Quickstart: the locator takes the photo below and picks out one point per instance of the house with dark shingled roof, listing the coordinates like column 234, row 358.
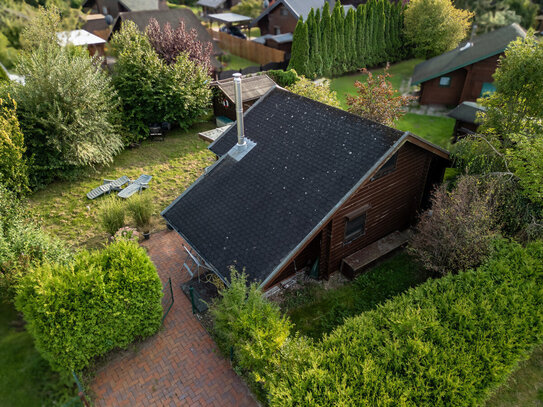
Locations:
column 307, row 186
column 465, row 73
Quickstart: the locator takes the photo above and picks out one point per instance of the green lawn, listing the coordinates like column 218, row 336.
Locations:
column 26, row 379
column 525, row 387
column 436, row 129
column 64, row 210
column 237, row 63
column 316, row 311
column 344, row 85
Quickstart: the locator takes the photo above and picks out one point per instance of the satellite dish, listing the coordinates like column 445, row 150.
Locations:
column 109, row 19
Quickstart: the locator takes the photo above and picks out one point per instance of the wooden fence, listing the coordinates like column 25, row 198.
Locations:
column 250, row 50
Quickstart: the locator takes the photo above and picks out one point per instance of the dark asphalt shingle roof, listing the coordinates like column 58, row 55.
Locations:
column 254, row 212
column 484, row 46
column 172, row 16
column 466, row 112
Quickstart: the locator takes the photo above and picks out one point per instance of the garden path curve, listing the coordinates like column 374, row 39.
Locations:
column 179, row 366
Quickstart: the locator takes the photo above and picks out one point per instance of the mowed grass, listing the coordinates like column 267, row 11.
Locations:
column 316, row 311
column 63, row 209
column 237, row 63
column 524, row 388
column 26, row 379
column 436, row 129
column 344, row 85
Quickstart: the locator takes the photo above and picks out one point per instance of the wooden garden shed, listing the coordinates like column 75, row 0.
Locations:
column 465, row 73
column 304, row 184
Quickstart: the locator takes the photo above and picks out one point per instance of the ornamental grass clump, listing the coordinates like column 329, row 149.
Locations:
column 112, row 214
column 101, row 301
column 141, row 209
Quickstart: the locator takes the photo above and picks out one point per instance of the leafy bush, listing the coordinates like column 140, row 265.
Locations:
column 102, row 300
column 67, row 109
column 284, row 78
column 435, row 26
column 317, row 91
column 152, row 91
column 448, row 342
column 112, row 214
column 141, row 208
column 23, row 245
column 13, row 163
column 457, row 232
column 250, row 324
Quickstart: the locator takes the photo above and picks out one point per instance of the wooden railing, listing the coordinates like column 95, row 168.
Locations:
column 250, row 50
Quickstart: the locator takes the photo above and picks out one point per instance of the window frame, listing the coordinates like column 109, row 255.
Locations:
column 355, row 216
column 387, row 168
column 283, row 12
column 448, row 85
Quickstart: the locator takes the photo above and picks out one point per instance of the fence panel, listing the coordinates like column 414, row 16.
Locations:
column 248, row 49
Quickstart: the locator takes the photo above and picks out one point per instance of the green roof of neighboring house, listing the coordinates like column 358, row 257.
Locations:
column 483, row 46
column 466, row 112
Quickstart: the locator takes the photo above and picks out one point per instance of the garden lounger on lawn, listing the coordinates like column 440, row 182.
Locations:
column 108, row 186
column 135, row 186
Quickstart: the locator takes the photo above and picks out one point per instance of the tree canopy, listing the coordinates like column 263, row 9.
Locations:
column 435, row 26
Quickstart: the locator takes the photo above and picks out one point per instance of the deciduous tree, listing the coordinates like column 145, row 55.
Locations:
column 377, row 99
column 317, row 91
column 435, row 26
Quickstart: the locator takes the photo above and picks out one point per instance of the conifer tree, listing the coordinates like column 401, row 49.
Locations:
column 369, row 33
column 338, row 44
column 380, row 31
column 300, row 49
column 317, row 51
column 326, row 33
column 361, row 36
column 350, row 40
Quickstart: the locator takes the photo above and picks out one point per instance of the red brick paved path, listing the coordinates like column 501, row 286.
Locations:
column 181, row 365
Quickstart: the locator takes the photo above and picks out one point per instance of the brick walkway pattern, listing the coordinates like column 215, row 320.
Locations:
column 179, row 366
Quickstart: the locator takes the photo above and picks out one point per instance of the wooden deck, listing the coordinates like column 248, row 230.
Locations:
column 356, row 262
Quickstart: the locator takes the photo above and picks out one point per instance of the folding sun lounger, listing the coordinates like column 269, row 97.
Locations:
column 135, row 186
column 108, row 186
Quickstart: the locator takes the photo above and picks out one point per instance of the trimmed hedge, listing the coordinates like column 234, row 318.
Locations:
column 103, row 300
column 448, row 342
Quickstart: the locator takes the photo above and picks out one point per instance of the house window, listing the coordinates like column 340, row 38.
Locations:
column 276, row 30
column 355, row 226
column 487, row 89
column 387, row 167
column 284, row 11
column 445, row 81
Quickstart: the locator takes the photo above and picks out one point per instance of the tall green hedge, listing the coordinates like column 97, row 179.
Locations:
column 449, row 342
column 332, row 42
column 103, row 300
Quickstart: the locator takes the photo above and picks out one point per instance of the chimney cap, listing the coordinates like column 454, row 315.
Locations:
column 237, row 75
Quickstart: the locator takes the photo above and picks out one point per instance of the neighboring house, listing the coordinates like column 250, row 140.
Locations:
column 224, row 101
column 82, row 38
column 216, row 6
column 114, row 7
column 307, row 182
column 465, row 115
column 464, row 73
column 281, row 17
column 11, row 76
column 172, row 16
column 97, row 24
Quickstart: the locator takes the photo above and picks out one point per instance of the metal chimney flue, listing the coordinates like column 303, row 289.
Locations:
column 239, row 109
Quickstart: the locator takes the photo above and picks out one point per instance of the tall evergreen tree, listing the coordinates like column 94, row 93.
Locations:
column 314, row 67
column 361, row 36
column 350, row 40
column 326, row 33
column 389, row 30
column 338, row 23
column 369, row 33
column 380, row 31
column 300, row 49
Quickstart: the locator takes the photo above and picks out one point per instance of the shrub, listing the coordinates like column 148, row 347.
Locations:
column 317, row 91
column 457, row 232
column 102, row 300
column 435, row 26
column 141, row 208
column 111, row 214
column 448, row 342
column 23, row 245
column 152, row 91
column 284, row 78
column 13, row 163
column 249, row 324
column 67, row 108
